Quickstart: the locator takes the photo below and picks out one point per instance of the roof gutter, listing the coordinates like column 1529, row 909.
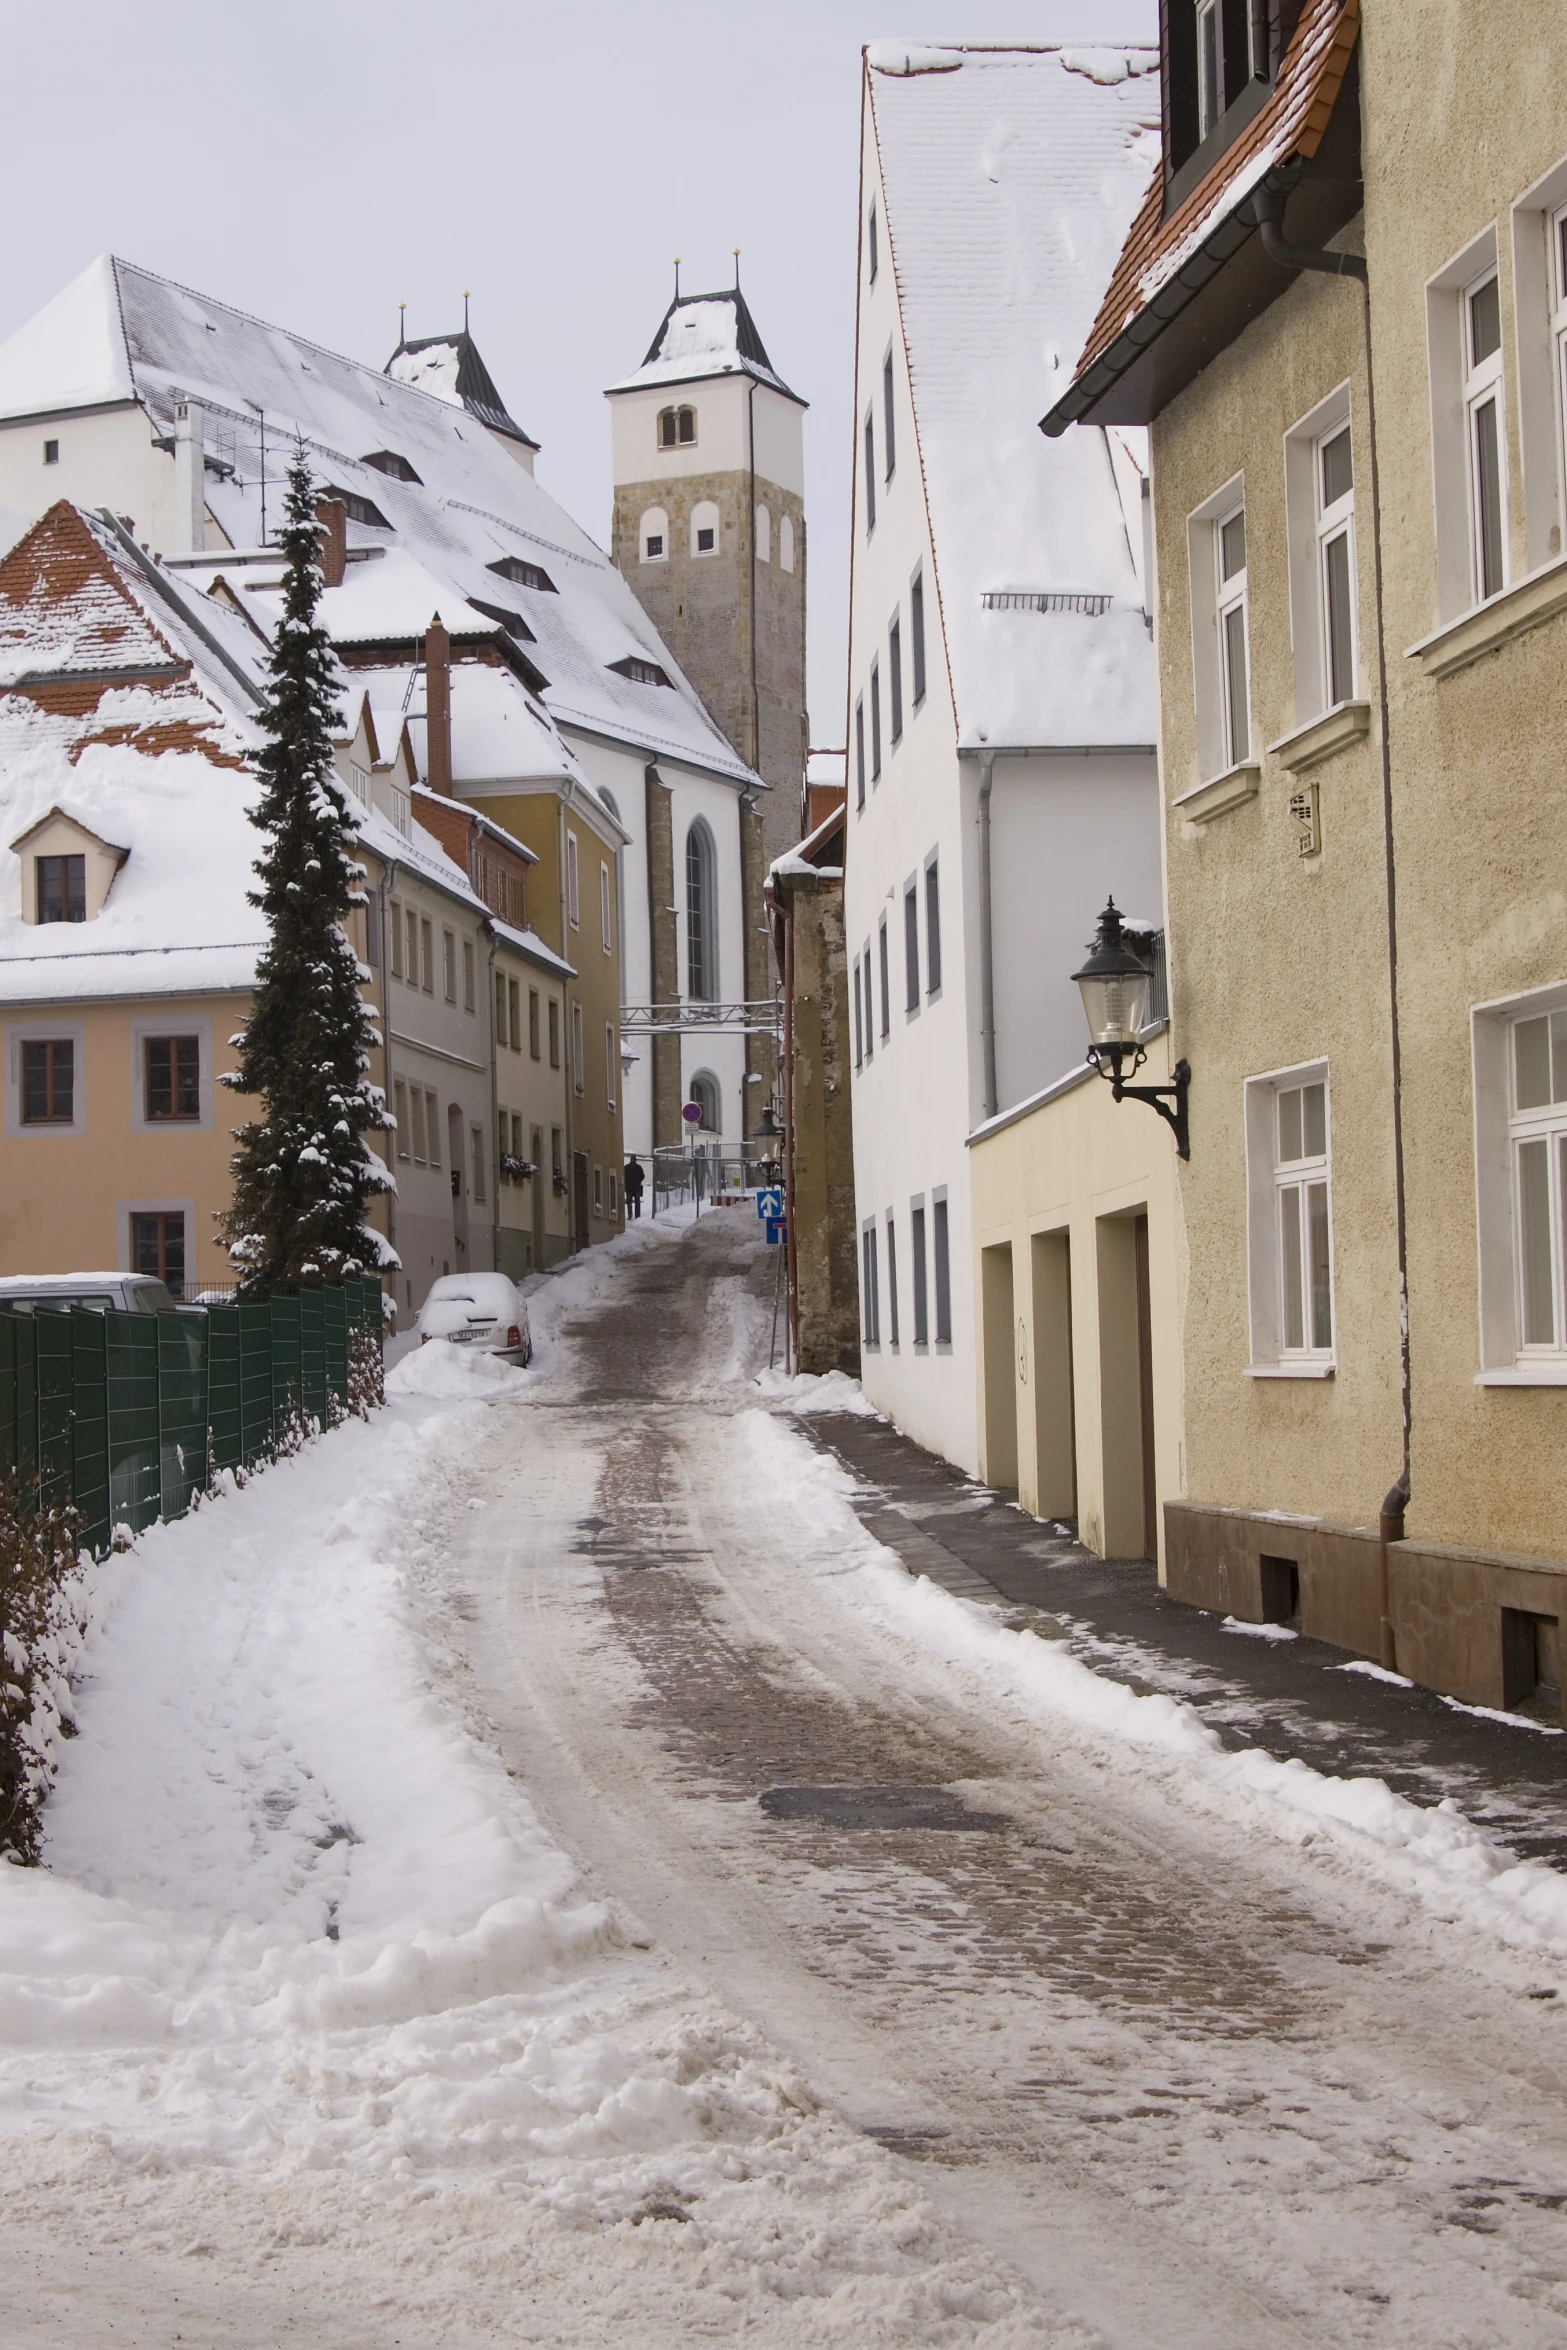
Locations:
column 1268, row 204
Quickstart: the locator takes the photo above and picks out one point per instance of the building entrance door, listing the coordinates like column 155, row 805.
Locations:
column 1145, row 1389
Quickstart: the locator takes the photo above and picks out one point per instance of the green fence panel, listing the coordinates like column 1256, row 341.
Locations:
column 53, row 1343
column 224, row 1407
column 26, row 1400
column 135, row 1473
column 90, row 1427
column 286, row 1394
column 182, row 1409
column 9, row 1325
column 312, row 1355
column 255, row 1382
column 334, row 1316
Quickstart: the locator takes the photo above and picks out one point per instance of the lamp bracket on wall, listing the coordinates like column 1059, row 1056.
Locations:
column 1111, row 1061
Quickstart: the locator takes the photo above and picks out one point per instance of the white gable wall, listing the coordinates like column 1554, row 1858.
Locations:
column 107, row 457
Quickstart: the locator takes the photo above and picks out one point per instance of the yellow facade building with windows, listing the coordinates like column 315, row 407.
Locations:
column 1342, row 312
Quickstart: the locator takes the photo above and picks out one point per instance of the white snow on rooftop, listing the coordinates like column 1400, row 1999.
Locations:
column 119, row 331
column 1008, row 184
column 701, row 337
column 432, row 370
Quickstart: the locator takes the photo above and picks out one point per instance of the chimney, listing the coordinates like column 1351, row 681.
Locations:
column 189, row 535
column 332, row 550
column 438, row 708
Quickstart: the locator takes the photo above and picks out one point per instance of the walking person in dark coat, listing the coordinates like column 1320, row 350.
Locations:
column 633, row 1183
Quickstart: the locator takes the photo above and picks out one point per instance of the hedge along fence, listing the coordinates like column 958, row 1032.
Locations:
column 125, row 1417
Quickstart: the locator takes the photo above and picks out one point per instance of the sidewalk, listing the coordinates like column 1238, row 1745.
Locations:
column 1256, row 1686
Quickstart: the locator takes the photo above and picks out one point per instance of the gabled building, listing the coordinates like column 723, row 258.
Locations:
column 1001, row 772
column 1341, row 312
column 175, row 410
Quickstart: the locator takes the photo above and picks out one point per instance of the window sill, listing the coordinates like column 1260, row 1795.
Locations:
column 1309, row 745
column 1524, row 1375
column 1536, row 598
column 1291, row 1370
column 1223, row 793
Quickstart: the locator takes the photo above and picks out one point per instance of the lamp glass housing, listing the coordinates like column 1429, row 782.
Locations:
column 1114, row 984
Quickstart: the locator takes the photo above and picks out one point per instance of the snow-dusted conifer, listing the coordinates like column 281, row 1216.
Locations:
column 302, row 1173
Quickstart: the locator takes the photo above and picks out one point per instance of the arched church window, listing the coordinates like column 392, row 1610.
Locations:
column 764, row 535
column 785, row 543
column 701, row 915
column 653, row 535
column 677, row 428
column 704, row 1092
column 704, row 528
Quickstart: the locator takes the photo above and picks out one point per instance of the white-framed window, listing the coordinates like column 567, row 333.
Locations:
column 1229, row 550
column 400, row 1113
column 677, row 428
column 1556, row 239
column 604, row 929
column 571, row 880
column 1319, row 483
column 577, row 1075
column 1221, row 666
column 1540, row 307
column 1520, row 1093
column 1289, row 1184
column 609, row 1062
column 870, row 1287
column 653, row 536
column 764, row 534
column 704, row 527
column 1480, row 316
column 402, row 812
column 785, row 543
column 1334, row 483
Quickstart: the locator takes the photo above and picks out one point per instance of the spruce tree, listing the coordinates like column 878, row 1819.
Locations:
column 302, row 1173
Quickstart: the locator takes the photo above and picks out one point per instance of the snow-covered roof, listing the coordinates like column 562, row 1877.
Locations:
column 116, row 712
column 702, row 335
column 1009, row 177
column 451, row 368
column 120, row 331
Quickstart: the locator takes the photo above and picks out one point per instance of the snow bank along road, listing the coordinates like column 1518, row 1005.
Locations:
column 532, row 1870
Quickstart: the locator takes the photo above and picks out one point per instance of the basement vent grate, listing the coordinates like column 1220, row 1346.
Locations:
column 1044, row 600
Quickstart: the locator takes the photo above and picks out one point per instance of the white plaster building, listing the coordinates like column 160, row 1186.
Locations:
column 1001, row 717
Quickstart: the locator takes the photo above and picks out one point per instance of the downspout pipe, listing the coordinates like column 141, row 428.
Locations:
column 1268, row 205
column 987, row 960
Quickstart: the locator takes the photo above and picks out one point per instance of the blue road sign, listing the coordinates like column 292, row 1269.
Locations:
column 775, row 1230
column 769, row 1205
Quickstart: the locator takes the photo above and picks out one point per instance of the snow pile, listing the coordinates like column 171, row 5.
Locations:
column 806, row 1392
column 1434, row 1852
column 901, row 58
column 303, row 1959
column 439, row 1370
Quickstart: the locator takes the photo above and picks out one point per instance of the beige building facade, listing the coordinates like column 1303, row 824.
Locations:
column 1348, row 289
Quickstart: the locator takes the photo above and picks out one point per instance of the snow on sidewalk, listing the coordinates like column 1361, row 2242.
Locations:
column 297, row 1923
column 1433, row 1852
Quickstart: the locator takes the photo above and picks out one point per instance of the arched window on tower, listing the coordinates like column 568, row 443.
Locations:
column 653, row 536
column 764, row 535
column 703, row 1090
column 785, row 543
column 701, row 915
column 677, row 428
column 704, row 528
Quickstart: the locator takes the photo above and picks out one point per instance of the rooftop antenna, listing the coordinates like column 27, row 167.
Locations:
column 736, row 251
column 402, row 324
column 677, row 277
column 262, row 414
column 465, row 310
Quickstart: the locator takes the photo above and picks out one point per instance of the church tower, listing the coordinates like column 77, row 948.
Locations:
column 709, row 531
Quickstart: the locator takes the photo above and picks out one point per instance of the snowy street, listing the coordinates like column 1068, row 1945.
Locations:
column 533, row 1869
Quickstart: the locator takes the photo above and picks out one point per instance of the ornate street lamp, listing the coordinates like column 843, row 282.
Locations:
column 1114, row 983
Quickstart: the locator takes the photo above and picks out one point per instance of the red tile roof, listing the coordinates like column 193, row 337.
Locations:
column 1287, row 127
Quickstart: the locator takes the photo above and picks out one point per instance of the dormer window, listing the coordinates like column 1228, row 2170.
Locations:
column 359, row 509
column 1220, row 57
column 524, row 574
column 677, row 428
column 396, row 468
column 62, row 888
column 640, row 672
column 67, row 871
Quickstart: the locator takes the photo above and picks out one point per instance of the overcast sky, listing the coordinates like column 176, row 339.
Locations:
column 318, row 161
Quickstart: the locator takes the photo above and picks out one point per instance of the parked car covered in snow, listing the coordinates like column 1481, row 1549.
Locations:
column 478, row 1310
column 120, row 1293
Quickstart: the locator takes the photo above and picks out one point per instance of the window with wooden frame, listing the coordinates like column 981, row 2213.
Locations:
column 158, row 1248
column 1229, row 551
column 604, row 927
column 49, row 1081
column 449, row 965
column 468, row 980
column 870, row 472
column 514, row 1015
column 62, row 888
column 554, row 1032
column 571, row 880
column 578, row 1073
column 500, row 1008
column 432, row 1109
column 427, row 956
column 1538, row 1135
column 171, row 1067
column 534, row 1048
column 400, row 1113
column 394, row 925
